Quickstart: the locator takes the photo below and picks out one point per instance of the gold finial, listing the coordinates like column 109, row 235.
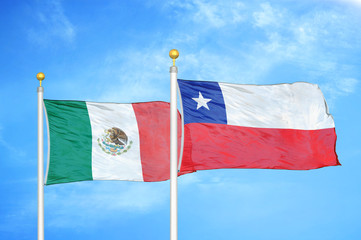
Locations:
column 40, row 76
column 173, row 54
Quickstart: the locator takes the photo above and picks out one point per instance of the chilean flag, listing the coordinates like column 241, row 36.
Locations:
column 283, row 126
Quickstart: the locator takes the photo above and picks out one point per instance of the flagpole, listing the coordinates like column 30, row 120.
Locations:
column 40, row 76
column 173, row 148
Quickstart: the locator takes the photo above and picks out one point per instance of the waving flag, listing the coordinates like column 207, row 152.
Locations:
column 284, row 126
column 108, row 141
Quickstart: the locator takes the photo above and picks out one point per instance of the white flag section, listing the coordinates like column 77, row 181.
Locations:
column 126, row 166
column 294, row 106
column 108, row 141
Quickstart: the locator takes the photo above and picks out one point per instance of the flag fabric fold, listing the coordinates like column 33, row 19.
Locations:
column 283, row 126
column 108, row 141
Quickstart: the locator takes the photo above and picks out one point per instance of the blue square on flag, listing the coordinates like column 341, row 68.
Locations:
column 202, row 102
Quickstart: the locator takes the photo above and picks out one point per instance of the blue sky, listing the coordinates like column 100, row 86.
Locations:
column 117, row 51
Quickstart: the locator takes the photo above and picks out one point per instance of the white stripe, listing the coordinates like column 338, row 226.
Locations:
column 127, row 166
column 288, row 106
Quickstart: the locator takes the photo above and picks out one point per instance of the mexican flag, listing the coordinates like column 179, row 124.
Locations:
column 108, row 141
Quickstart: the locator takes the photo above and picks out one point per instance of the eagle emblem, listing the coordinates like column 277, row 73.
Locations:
column 114, row 141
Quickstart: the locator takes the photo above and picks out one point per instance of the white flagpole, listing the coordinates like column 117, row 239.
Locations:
column 173, row 148
column 40, row 76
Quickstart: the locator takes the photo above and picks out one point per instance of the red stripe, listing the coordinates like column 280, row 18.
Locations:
column 214, row 146
column 153, row 120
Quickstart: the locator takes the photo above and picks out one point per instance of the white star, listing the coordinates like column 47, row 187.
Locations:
column 202, row 102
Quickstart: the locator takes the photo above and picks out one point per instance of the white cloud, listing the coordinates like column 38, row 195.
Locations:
column 311, row 42
column 52, row 24
column 348, row 85
column 353, row 2
column 338, row 87
column 215, row 14
column 268, row 16
column 218, row 15
column 305, row 41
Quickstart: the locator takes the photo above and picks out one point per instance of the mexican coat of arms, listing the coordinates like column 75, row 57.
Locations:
column 114, row 141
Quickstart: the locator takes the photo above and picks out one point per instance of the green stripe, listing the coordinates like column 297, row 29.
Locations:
column 70, row 142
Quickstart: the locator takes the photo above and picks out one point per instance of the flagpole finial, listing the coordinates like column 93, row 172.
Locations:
column 40, row 76
column 173, row 54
